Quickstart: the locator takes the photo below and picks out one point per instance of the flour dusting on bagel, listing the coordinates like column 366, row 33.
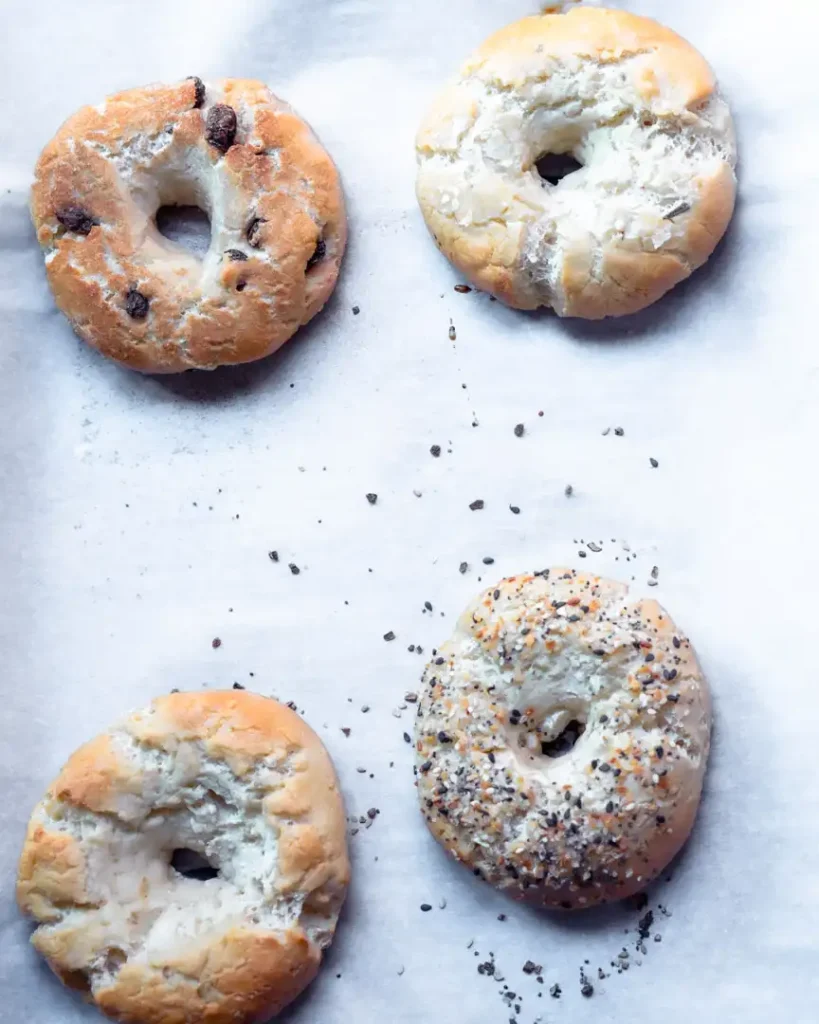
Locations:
column 240, row 780
column 561, row 739
column 628, row 99
column 238, row 152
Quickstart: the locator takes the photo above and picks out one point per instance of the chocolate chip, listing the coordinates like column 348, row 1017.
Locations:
column 136, row 304
column 236, row 255
column 198, row 91
column 252, row 233
column 220, row 127
column 318, row 253
column 76, row 219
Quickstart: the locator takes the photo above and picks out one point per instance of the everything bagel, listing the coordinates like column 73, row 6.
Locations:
column 561, row 739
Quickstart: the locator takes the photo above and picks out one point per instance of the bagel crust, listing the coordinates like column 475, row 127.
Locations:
column 239, row 779
column 636, row 106
column 231, row 147
column 534, row 659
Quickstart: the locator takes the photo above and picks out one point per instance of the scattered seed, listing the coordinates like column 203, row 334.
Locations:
column 407, row 738
column 452, row 334
column 520, row 429
column 462, row 288
column 676, row 211
column 294, row 568
column 356, row 310
column 488, row 560
column 216, row 642
column 372, row 498
column 515, row 509
column 654, row 463
column 477, row 504
column 463, row 567
column 426, row 907
column 389, row 636
column 569, row 490
column 619, row 431
column 273, row 556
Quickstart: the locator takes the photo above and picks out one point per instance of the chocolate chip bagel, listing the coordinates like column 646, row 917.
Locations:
column 235, row 150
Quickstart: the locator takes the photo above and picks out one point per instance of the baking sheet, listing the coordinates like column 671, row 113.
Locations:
column 136, row 514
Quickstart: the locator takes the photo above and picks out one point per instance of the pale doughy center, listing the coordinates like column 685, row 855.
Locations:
column 155, row 170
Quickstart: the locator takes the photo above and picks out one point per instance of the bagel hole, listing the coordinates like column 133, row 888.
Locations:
column 554, row 167
column 77, row 981
column 114, row 959
column 187, row 226
column 318, row 255
column 191, row 864
column 564, row 741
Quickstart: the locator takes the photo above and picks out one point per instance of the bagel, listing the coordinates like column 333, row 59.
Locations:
column 561, row 739
column 629, row 100
column 232, row 776
column 243, row 156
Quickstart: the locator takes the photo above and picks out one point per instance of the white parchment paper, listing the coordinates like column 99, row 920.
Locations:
column 136, row 514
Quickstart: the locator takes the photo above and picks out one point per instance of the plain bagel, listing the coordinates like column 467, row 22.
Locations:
column 239, row 153
column 561, row 739
column 232, row 776
column 636, row 106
